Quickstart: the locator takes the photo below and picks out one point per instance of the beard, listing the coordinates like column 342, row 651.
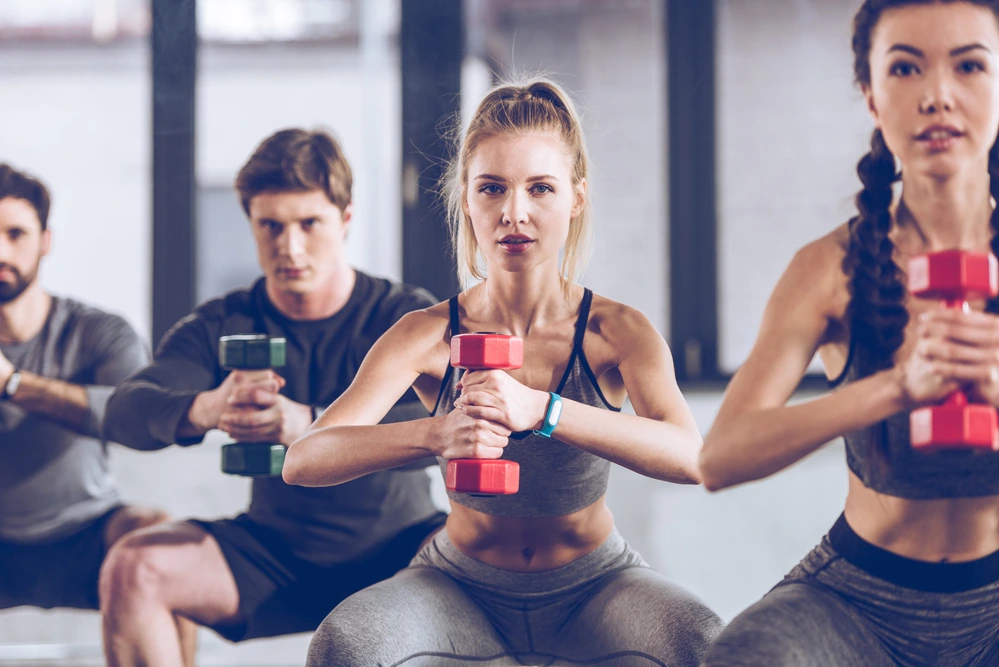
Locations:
column 11, row 290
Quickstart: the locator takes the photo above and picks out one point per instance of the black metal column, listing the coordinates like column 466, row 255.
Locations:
column 693, row 212
column 432, row 46
column 174, row 54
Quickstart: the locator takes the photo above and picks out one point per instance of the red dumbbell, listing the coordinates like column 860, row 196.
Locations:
column 485, row 351
column 954, row 276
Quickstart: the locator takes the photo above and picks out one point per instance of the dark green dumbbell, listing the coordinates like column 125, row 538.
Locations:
column 245, row 353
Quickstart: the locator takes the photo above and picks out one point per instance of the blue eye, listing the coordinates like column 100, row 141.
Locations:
column 491, row 189
column 541, row 188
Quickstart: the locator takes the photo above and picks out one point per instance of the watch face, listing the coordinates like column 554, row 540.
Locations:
column 556, row 412
column 12, row 384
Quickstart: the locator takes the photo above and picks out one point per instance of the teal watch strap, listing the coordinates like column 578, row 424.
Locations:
column 552, row 415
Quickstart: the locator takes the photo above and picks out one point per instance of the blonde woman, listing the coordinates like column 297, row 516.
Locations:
column 542, row 575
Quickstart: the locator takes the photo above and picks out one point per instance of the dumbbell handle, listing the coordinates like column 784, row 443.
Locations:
column 953, row 277
column 484, row 351
column 958, row 399
column 252, row 353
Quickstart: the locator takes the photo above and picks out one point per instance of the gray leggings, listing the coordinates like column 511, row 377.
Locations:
column 852, row 604
column 446, row 609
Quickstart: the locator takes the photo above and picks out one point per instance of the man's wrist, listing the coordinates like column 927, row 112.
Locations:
column 7, row 369
column 309, row 416
column 9, row 384
column 200, row 414
column 293, row 429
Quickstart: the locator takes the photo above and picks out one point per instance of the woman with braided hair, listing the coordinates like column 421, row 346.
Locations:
column 909, row 574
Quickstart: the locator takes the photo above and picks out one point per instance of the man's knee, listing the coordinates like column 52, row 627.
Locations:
column 134, row 569
column 129, row 519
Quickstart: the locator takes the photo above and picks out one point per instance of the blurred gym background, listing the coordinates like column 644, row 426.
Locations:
column 723, row 135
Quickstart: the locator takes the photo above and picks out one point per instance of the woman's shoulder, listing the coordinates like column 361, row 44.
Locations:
column 603, row 307
column 817, row 274
column 618, row 323
column 826, row 253
column 820, row 263
column 428, row 323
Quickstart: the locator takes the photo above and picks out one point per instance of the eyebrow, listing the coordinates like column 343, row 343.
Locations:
column 954, row 52
column 500, row 179
column 272, row 221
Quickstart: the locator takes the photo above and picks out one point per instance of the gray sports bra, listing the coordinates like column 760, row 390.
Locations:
column 556, row 479
column 881, row 456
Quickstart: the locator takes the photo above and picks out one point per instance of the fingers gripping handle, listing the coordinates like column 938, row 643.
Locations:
column 485, row 351
column 252, row 352
column 954, row 276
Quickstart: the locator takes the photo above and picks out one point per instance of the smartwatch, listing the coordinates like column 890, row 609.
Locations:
column 13, row 382
column 552, row 415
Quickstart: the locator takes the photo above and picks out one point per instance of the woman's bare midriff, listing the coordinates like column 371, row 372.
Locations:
column 529, row 544
column 946, row 530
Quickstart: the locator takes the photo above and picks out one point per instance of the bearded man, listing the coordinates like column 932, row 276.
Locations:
column 60, row 510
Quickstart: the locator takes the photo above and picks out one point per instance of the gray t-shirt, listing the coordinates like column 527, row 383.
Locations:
column 54, row 479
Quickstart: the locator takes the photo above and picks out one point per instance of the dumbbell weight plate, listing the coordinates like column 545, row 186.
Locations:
column 251, row 352
column 253, row 459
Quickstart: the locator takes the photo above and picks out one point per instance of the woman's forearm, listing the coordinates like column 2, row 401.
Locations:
column 332, row 455
column 753, row 444
column 650, row 447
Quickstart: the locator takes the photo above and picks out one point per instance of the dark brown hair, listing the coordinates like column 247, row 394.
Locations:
column 296, row 160
column 877, row 312
column 17, row 184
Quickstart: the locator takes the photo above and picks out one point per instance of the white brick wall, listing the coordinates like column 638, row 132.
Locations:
column 610, row 57
column 791, row 128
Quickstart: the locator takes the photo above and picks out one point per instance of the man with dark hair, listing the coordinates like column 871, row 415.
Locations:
column 297, row 552
column 60, row 511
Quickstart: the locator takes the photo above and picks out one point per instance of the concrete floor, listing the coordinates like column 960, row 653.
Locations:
column 729, row 548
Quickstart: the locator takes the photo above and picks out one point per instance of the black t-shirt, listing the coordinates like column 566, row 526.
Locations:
column 324, row 525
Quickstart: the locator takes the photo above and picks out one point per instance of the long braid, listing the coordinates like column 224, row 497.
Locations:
column 877, row 310
column 993, row 305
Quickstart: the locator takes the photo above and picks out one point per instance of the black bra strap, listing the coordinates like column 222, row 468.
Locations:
column 453, row 308
column 584, row 316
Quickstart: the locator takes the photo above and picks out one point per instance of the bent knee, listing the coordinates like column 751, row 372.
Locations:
column 129, row 519
column 671, row 619
column 132, row 569
column 341, row 639
column 790, row 627
column 687, row 631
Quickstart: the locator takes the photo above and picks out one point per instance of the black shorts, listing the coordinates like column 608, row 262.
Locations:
column 60, row 573
column 280, row 593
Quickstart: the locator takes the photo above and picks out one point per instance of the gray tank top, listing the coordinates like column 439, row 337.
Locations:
column 881, row 456
column 556, row 479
